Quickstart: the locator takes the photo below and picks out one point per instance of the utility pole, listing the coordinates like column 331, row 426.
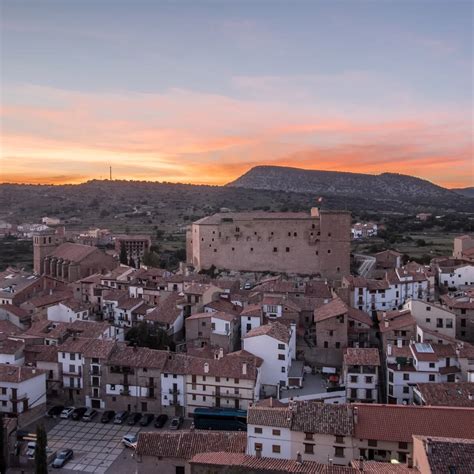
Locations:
column 111, row 173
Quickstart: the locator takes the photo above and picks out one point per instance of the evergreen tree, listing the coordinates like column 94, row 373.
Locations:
column 151, row 259
column 123, row 255
column 41, row 461
column 3, row 461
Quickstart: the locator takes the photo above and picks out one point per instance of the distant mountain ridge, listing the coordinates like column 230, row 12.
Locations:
column 385, row 186
column 467, row 192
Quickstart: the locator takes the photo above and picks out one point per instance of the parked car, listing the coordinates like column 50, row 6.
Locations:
column 134, row 418
column 120, row 417
column 161, row 421
column 147, row 419
column 31, row 449
column 62, row 457
column 248, row 286
column 176, row 423
column 67, row 413
column 107, row 416
column 130, row 440
column 78, row 413
column 55, row 411
column 89, row 414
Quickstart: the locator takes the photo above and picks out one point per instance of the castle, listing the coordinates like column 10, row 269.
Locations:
column 315, row 243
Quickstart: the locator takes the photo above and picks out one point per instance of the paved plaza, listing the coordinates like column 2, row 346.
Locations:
column 96, row 446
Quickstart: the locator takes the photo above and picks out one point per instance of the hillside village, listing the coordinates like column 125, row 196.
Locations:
column 264, row 320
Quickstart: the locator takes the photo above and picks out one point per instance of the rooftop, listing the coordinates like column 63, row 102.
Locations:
column 455, row 394
column 186, row 444
column 18, row 374
column 275, row 330
column 361, row 356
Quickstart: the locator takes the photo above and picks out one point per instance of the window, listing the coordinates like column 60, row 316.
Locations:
column 368, row 379
column 354, row 378
column 218, row 379
column 276, row 448
column 4, row 390
column 338, row 452
column 432, row 378
column 276, row 432
column 406, row 389
column 340, row 439
column 283, row 370
column 287, row 249
column 236, row 380
column 432, row 365
column 329, row 250
column 308, row 448
column 309, row 436
column 372, row 443
column 72, row 369
column 439, row 323
column 281, row 347
column 428, row 320
column 368, row 394
column 406, row 376
column 449, row 323
column 338, row 345
column 281, row 356
column 275, row 249
column 179, row 470
column 72, row 356
column 258, row 446
column 463, row 323
column 258, row 430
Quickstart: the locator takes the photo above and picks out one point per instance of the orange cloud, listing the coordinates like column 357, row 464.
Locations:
column 201, row 138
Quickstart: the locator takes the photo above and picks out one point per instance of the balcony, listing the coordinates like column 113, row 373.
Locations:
column 173, row 391
column 18, row 398
column 72, row 374
column 228, row 395
column 125, row 392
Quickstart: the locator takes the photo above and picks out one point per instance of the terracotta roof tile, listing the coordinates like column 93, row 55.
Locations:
column 73, row 252
column 335, row 307
column 455, row 394
column 17, row 374
column 275, row 330
column 399, row 422
column 246, row 463
column 449, row 454
column 361, row 356
column 186, row 444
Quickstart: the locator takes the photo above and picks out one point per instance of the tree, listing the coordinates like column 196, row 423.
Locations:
column 41, row 461
column 151, row 259
column 144, row 335
column 131, row 262
column 3, row 461
column 123, row 255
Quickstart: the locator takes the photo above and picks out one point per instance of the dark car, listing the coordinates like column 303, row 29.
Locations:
column 134, row 418
column 161, row 421
column 90, row 414
column 107, row 416
column 120, row 417
column 55, row 411
column 62, row 457
column 147, row 419
column 78, row 413
column 176, row 423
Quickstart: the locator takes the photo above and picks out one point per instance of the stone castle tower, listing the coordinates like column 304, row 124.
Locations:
column 44, row 243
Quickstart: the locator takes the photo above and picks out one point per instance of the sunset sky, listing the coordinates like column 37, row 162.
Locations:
column 201, row 91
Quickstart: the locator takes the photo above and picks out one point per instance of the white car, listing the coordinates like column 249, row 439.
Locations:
column 31, row 448
column 66, row 413
column 130, row 440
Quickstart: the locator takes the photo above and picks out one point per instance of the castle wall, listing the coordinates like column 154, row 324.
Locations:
column 306, row 245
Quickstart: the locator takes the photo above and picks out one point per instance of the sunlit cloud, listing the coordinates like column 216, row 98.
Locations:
column 56, row 136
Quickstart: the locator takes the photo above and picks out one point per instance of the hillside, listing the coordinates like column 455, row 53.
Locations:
column 385, row 189
column 467, row 192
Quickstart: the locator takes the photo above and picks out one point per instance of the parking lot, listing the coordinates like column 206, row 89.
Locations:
column 96, row 445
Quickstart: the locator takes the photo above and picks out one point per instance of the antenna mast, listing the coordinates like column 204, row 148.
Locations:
column 111, row 173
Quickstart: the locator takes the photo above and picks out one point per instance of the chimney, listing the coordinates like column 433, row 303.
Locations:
column 387, row 324
column 221, row 353
column 361, row 463
column 399, row 366
column 244, row 368
column 299, row 458
column 389, row 349
column 356, row 415
column 206, row 368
